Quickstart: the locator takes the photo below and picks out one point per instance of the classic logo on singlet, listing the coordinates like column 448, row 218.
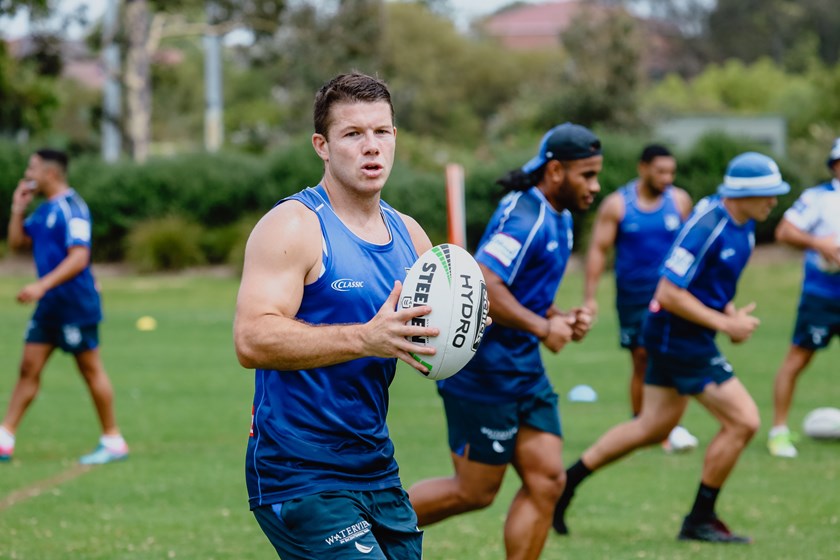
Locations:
column 346, row 284
column 349, row 534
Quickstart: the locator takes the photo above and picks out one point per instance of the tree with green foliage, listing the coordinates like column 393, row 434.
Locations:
column 27, row 99
column 602, row 82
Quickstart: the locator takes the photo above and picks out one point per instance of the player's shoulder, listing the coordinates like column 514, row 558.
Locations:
column 812, row 195
column 707, row 214
column 679, row 193
column 289, row 220
column 421, row 240
column 612, row 209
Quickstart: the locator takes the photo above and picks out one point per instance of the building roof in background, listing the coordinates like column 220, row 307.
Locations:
column 532, row 26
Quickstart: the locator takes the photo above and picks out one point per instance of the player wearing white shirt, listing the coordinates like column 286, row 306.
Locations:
column 813, row 224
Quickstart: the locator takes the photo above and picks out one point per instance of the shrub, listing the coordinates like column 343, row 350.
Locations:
column 236, row 255
column 168, row 243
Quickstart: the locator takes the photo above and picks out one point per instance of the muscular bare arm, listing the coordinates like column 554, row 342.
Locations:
column 554, row 330
column 738, row 324
column 826, row 246
column 604, row 233
column 16, row 236
column 422, row 243
column 683, row 201
column 283, row 254
column 75, row 262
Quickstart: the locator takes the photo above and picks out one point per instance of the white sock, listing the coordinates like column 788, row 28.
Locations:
column 113, row 442
column 776, row 430
column 7, row 438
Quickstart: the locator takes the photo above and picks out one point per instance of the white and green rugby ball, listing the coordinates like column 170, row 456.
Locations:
column 822, row 423
column 447, row 278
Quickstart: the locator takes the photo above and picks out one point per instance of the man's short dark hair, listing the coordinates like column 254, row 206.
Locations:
column 653, row 151
column 54, row 156
column 348, row 88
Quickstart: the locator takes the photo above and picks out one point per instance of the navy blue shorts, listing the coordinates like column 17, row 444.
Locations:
column 341, row 524
column 486, row 433
column 817, row 322
column 73, row 339
column 689, row 376
column 631, row 320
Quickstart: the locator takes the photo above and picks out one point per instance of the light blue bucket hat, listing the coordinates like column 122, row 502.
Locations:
column 752, row 174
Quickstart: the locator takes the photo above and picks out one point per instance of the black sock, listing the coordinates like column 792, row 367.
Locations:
column 575, row 475
column 704, row 503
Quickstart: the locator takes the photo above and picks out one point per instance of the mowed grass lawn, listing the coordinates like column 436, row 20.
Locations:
column 184, row 405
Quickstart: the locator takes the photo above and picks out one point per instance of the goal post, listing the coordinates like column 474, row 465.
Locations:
column 456, row 220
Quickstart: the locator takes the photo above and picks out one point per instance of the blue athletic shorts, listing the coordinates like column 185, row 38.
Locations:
column 689, row 376
column 486, row 433
column 341, row 524
column 817, row 322
column 631, row 320
column 73, row 339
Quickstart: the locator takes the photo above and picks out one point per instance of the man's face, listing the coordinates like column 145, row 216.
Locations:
column 659, row 173
column 358, row 149
column 759, row 207
column 38, row 170
column 579, row 183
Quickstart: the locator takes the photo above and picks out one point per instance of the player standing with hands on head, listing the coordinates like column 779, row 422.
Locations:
column 68, row 308
column 813, row 224
column 693, row 301
column 641, row 220
column 501, row 408
column 316, row 318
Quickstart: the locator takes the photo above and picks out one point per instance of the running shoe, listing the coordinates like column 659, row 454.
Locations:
column 102, row 455
column 711, row 530
column 680, row 440
column 6, row 454
column 781, row 444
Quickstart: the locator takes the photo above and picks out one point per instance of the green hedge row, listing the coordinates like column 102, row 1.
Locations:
column 218, row 191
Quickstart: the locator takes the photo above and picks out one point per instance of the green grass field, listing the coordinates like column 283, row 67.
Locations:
column 184, row 405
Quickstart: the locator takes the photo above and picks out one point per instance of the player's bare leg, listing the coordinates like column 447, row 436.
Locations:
column 662, row 410
column 35, row 356
column 538, row 461
column 473, row 486
column 638, row 356
column 794, row 364
column 93, row 371
column 738, row 415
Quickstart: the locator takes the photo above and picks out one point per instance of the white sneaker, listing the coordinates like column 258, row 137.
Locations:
column 102, row 455
column 780, row 443
column 680, row 440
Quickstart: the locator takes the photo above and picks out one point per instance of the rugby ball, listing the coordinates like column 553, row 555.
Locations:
column 822, row 423
column 447, row 278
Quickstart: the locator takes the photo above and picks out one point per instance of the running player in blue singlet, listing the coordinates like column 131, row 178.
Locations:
column 693, row 301
column 813, row 224
column 501, row 408
column 641, row 220
column 68, row 309
column 316, row 318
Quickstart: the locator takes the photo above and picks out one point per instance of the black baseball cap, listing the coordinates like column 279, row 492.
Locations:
column 565, row 142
